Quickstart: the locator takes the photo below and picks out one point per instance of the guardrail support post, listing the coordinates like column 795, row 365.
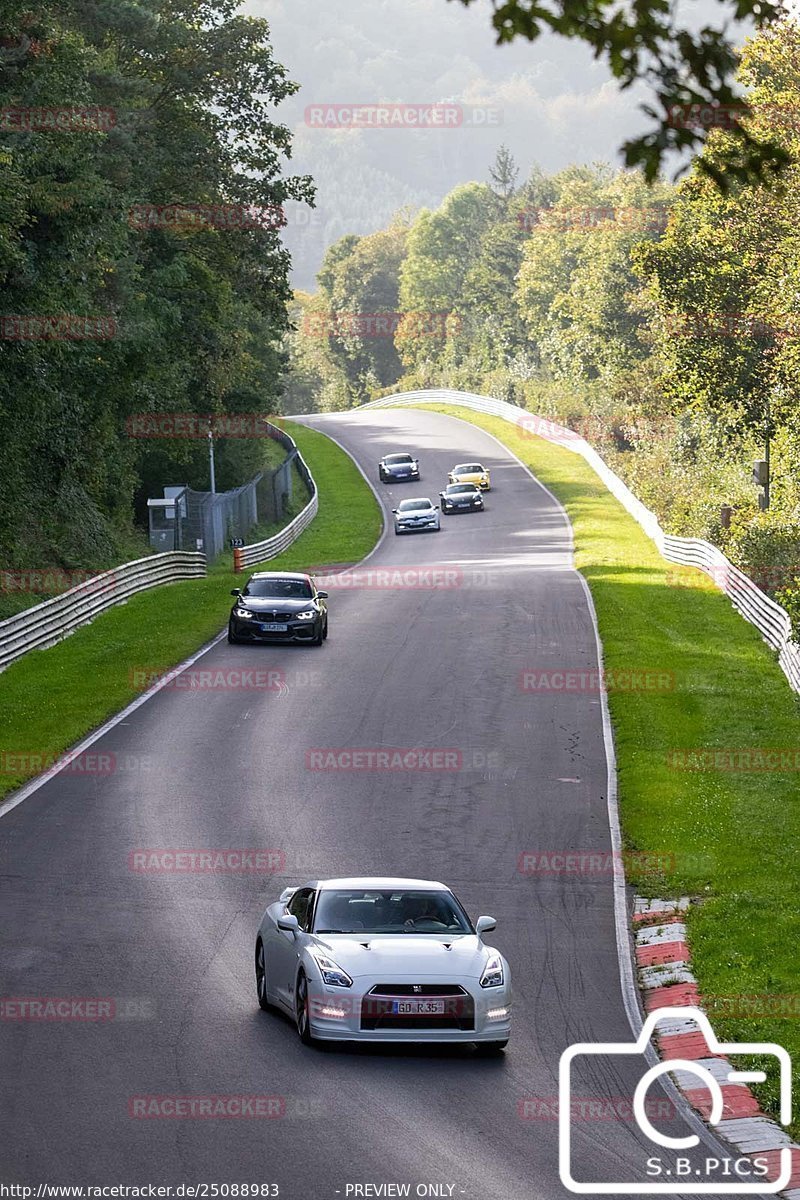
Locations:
column 237, row 560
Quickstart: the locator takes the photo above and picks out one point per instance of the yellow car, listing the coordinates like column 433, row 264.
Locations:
column 472, row 472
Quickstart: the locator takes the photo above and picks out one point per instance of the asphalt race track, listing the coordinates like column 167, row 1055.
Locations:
column 405, row 666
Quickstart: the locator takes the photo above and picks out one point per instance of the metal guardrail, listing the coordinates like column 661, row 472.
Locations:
column 52, row 620
column 247, row 556
column 770, row 619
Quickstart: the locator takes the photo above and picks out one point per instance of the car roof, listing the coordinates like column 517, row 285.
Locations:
column 380, row 882
column 280, row 575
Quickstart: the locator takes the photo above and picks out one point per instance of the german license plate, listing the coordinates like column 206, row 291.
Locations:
column 419, row 1008
column 274, row 628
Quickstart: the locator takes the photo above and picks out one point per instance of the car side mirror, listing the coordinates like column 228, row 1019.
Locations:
column 485, row 925
column 394, row 510
column 236, row 591
column 289, row 922
column 322, row 595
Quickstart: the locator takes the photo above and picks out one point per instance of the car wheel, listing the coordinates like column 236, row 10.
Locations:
column 325, row 629
column 261, row 975
column 232, row 638
column 318, row 638
column 490, row 1049
column 301, row 1011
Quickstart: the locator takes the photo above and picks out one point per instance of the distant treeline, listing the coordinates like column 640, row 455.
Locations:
column 141, row 270
column 663, row 322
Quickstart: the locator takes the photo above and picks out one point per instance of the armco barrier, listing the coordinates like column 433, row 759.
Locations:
column 47, row 623
column 755, row 606
column 258, row 552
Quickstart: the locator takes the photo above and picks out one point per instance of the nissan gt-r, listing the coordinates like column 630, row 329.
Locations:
column 382, row 960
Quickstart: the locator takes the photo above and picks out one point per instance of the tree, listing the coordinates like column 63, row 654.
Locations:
column 197, row 314
column 360, row 291
column 690, row 72
column 442, row 247
column 504, row 174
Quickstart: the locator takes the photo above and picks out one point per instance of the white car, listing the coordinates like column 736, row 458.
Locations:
column 416, row 515
column 383, row 960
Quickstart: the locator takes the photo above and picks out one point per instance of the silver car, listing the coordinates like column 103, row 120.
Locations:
column 415, row 516
column 383, row 960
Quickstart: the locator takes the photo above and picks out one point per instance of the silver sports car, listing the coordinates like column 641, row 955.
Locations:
column 383, row 960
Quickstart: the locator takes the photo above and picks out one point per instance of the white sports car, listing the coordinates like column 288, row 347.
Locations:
column 382, row 960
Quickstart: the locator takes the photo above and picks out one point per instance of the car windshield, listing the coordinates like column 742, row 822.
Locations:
column 414, row 505
column 456, row 489
column 468, row 469
column 358, row 910
column 394, row 459
column 279, row 589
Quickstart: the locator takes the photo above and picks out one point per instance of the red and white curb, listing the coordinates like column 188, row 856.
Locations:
column 665, row 977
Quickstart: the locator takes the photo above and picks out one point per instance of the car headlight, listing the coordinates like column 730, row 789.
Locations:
column 243, row 613
column 331, row 972
column 493, row 973
column 308, row 615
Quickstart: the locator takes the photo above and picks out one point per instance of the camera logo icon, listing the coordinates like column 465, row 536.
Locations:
column 680, row 1181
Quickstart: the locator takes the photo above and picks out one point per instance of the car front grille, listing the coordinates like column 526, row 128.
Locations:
column 270, row 617
column 376, row 1007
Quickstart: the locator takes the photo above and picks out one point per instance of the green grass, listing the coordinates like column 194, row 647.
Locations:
column 52, row 698
column 730, row 838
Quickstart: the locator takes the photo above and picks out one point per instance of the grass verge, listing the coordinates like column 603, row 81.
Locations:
column 52, row 698
column 727, row 835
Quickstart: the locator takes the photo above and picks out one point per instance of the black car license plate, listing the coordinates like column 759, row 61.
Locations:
column 274, row 627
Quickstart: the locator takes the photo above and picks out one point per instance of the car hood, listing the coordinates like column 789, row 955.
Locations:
column 288, row 604
column 404, row 954
column 395, row 467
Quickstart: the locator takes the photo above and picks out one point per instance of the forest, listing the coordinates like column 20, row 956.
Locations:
column 142, row 197
column 661, row 321
column 141, row 266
